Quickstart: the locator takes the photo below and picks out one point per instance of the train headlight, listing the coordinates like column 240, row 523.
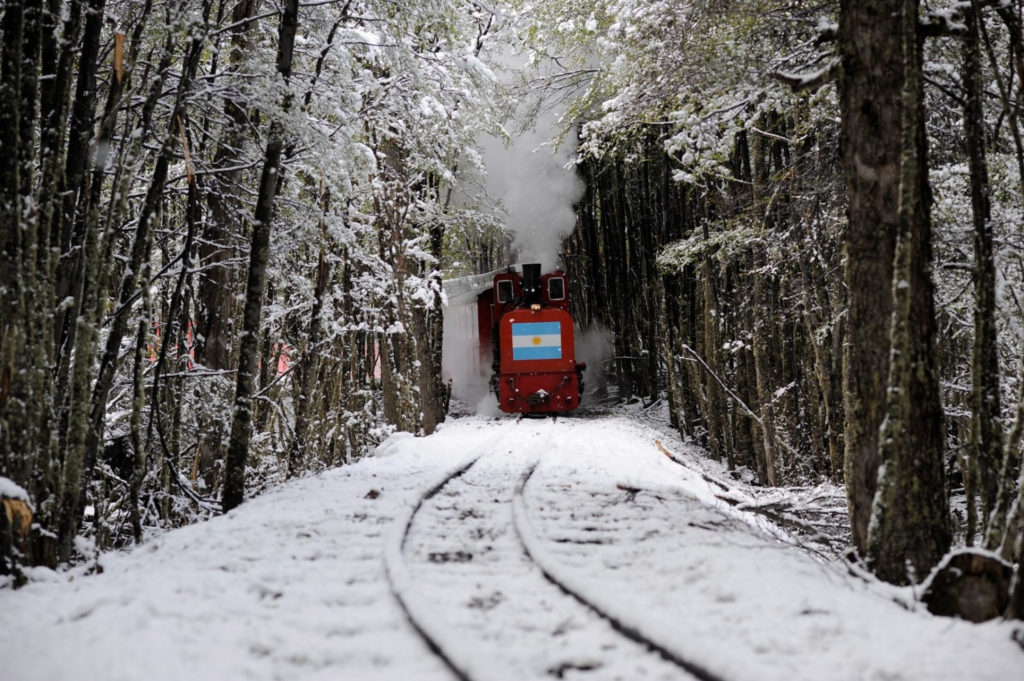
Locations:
column 535, row 307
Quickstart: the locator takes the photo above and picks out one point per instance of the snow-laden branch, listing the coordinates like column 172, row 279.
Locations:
column 811, row 80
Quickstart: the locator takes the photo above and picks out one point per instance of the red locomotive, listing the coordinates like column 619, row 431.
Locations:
column 525, row 325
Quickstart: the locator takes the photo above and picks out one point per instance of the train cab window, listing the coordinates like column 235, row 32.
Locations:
column 504, row 292
column 556, row 288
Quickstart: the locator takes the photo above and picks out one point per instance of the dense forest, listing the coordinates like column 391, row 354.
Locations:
column 226, row 225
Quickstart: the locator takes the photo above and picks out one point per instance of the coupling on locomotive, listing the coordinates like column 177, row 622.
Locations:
column 525, row 325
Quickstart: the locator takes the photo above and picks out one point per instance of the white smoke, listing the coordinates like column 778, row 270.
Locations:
column 461, row 360
column 531, row 167
column 537, row 186
column 532, row 186
column 596, row 347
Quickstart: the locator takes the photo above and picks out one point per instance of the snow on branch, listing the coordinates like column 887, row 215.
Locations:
column 811, row 80
column 940, row 23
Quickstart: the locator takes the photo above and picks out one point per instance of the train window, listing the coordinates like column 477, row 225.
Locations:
column 556, row 288
column 504, row 292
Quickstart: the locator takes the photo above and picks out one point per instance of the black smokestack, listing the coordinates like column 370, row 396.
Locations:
column 531, row 283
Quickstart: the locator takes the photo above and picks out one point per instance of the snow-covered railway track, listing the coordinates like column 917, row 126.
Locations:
column 463, row 565
column 548, row 564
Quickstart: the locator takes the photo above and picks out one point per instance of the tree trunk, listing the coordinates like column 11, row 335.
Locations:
column 68, row 223
column 92, row 441
column 714, row 408
column 985, row 445
column 135, row 425
column 434, row 393
column 26, row 407
column 1014, row 521
column 870, row 88
column 12, row 286
column 760, row 333
column 910, row 528
column 1003, row 526
column 307, row 364
column 259, row 255
column 819, row 335
column 217, row 277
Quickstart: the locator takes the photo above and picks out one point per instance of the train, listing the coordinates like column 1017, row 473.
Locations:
column 525, row 326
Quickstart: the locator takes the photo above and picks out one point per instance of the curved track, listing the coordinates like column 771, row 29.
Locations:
column 533, row 547
column 475, row 581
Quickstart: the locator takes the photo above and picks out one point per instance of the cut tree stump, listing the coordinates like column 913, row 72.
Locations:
column 971, row 584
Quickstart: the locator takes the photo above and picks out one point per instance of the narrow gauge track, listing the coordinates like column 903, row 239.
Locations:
column 463, row 564
column 533, row 547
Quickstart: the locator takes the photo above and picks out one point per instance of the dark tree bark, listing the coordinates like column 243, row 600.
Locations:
column 307, row 363
column 910, row 527
column 59, row 57
column 135, row 425
column 26, row 444
column 82, row 117
column 217, row 249
column 86, row 288
column 79, row 220
column 432, row 389
column 763, row 319
column 68, row 223
column 74, row 489
column 11, row 286
column 985, row 448
column 814, row 294
column 259, row 255
column 870, row 85
column 1008, row 517
column 1016, row 608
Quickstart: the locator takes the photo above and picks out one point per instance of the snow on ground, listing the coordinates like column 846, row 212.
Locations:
column 292, row 584
column 488, row 605
column 288, row 586
column 653, row 547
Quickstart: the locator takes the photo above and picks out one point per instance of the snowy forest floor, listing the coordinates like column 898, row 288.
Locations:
column 743, row 582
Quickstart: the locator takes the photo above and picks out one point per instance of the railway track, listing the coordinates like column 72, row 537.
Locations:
column 476, row 582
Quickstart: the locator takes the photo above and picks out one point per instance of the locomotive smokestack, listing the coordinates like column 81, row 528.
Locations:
column 531, row 283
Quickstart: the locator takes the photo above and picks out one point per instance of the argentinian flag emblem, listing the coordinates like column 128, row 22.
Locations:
column 537, row 340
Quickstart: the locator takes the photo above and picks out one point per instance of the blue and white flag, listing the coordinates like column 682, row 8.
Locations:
column 537, row 340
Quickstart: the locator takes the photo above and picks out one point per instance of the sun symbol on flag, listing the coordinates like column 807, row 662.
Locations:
column 536, row 340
